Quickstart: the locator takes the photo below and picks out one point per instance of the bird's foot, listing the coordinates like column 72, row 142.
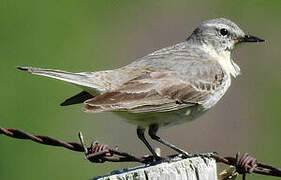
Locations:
column 205, row 154
column 157, row 160
column 191, row 155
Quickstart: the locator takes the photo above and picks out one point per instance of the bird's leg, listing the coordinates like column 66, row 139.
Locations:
column 140, row 133
column 152, row 132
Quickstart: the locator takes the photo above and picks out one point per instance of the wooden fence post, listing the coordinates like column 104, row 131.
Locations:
column 185, row 169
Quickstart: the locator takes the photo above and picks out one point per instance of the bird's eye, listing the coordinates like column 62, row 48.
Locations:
column 223, row 31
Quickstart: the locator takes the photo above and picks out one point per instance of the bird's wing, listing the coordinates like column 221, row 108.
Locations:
column 158, row 91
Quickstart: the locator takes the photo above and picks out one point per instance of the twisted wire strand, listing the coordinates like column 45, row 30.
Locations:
column 46, row 140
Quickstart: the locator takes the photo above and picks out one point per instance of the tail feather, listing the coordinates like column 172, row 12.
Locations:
column 80, row 79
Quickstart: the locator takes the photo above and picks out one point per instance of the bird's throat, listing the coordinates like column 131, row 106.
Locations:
column 223, row 57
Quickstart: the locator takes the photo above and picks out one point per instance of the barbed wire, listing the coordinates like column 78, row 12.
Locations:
column 46, row 140
column 100, row 153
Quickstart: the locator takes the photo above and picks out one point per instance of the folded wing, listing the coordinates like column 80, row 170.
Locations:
column 157, row 91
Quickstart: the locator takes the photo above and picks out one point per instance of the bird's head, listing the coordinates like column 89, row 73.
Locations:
column 221, row 34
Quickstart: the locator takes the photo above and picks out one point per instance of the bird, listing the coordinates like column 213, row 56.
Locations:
column 167, row 87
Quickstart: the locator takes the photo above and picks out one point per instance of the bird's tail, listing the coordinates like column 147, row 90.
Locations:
column 83, row 80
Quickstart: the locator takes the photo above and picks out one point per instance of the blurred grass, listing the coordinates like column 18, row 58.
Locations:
column 95, row 35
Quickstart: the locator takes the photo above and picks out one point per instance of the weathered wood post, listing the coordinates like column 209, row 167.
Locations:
column 185, row 169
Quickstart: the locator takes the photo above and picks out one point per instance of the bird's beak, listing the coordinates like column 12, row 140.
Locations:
column 248, row 38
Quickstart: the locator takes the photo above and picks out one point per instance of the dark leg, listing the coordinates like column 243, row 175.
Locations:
column 152, row 132
column 140, row 133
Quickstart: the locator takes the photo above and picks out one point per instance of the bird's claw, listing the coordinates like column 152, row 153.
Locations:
column 203, row 155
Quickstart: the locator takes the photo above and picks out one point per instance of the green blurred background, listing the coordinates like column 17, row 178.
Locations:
column 96, row 35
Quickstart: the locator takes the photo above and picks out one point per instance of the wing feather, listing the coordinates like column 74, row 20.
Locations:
column 158, row 91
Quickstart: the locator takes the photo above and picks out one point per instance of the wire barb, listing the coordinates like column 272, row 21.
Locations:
column 247, row 164
column 100, row 153
column 81, row 138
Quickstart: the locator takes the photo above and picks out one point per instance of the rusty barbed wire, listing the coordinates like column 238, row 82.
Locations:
column 247, row 164
column 100, row 153
column 96, row 153
column 46, row 140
